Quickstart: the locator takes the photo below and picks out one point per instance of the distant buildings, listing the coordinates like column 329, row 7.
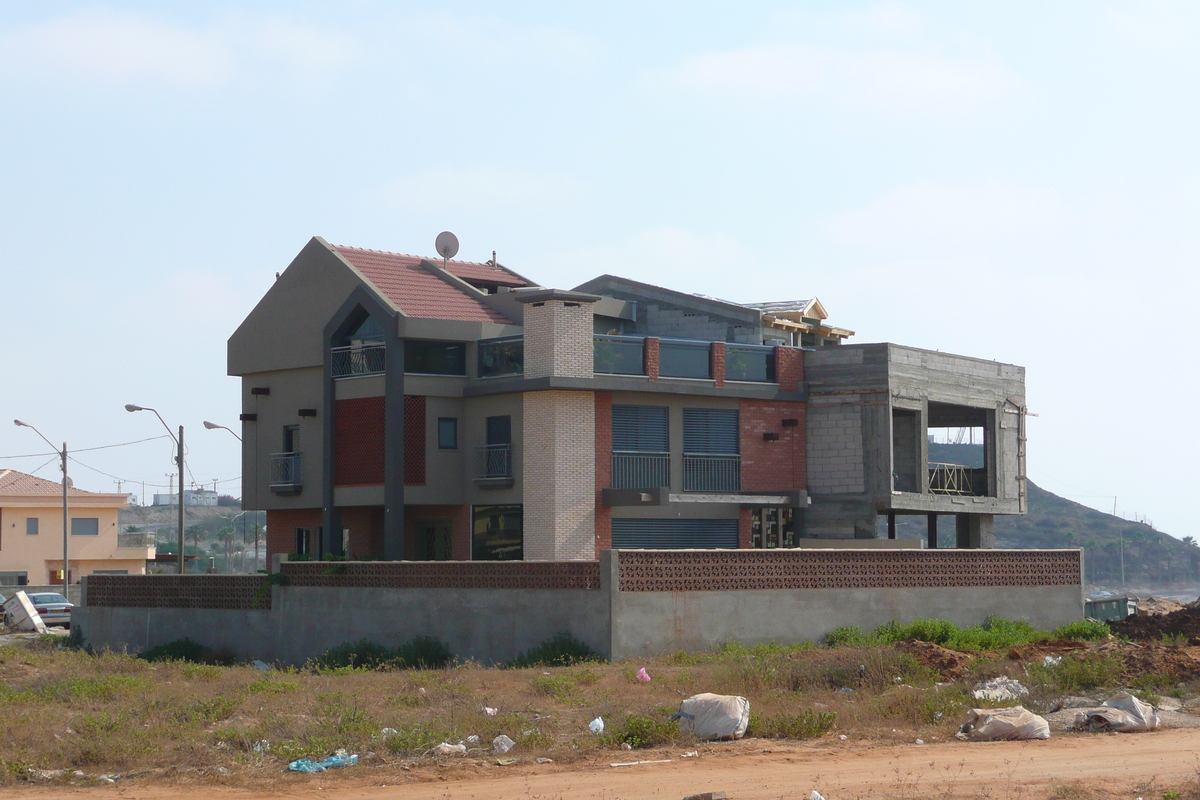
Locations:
column 191, row 497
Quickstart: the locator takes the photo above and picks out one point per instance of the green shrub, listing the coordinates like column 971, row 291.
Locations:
column 847, row 636
column 805, row 725
column 1078, row 673
column 560, row 650
column 423, row 652
column 420, row 652
column 639, row 732
column 1084, row 629
column 178, row 650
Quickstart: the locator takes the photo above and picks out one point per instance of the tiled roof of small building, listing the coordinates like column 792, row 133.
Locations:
column 13, row 482
column 417, row 292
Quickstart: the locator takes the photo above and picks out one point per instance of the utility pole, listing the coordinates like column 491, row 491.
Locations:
column 119, row 483
column 1122, row 541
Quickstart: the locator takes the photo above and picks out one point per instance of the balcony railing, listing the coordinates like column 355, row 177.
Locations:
column 619, row 355
column 136, row 541
column 640, row 470
column 949, row 479
column 286, row 473
column 712, row 473
column 747, row 362
column 493, row 462
column 503, row 356
column 358, row 359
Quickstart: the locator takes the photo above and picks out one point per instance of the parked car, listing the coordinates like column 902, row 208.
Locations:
column 52, row 608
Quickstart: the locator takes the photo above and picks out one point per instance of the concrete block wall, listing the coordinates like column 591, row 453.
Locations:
column 558, row 339
column 559, row 475
column 835, row 448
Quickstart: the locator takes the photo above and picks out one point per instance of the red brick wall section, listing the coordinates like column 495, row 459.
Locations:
column 603, row 470
column 651, row 355
column 744, row 531
column 358, row 442
column 360, row 520
column 414, row 440
column 460, row 530
column 460, row 525
column 716, row 362
column 281, row 528
column 789, row 368
column 772, row 466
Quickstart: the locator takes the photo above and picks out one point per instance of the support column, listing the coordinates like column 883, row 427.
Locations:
column 891, row 524
column 974, row 531
column 931, row 524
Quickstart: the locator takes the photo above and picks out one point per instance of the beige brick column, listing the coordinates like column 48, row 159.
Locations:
column 559, row 428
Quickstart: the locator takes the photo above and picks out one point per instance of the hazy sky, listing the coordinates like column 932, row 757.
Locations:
column 1015, row 182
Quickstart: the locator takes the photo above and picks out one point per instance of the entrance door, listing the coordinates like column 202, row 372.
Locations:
column 433, row 540
column 771, row 527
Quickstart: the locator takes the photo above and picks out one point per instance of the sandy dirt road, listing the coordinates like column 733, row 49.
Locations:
column 1107, row 765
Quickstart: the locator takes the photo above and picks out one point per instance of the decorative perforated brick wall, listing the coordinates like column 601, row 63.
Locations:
column 228, row 592
column 358, row 442
column 603, row 470
column 789, row 368
column 445, row 574
column 729, row 570
column 414, row 440
column 777, row 465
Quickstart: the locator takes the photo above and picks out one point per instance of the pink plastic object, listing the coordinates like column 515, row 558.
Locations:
column 643, row 676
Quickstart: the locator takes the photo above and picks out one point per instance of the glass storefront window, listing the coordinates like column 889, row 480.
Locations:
column 496, row 533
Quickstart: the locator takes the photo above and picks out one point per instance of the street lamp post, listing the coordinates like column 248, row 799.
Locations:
column 179, row 460
column 66, row 532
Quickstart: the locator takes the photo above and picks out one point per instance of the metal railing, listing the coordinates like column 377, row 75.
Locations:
column 949, row 479
column 358, row 359
column 137, row 540
column 286, row 470
column 712, row 473
column 632, row 469
column 493, row 461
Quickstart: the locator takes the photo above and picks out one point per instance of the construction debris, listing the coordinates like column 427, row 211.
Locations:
column 1122, row 712
column 997, row 724
column 714, row 716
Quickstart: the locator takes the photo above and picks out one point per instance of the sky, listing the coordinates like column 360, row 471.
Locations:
column 1010, row 181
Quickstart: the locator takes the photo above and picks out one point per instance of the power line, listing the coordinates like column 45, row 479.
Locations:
column 129, row 480
column 89, row 449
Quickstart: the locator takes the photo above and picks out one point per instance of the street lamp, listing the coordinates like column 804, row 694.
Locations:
column 65, row 479
column 178, row 460
column 212, row 426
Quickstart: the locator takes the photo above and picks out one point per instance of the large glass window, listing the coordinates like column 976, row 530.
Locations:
column 496, row 533
column 501, row 356
column 619, row 355
column 435, row 358
column 85, row 526
column 749, row 363
column 447, row 433
column 683, row 359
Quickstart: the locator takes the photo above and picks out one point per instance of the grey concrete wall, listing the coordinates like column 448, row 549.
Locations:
column 662, row 622
column 291, row 390
column 489, row 625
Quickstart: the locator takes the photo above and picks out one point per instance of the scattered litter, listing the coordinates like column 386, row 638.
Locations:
column 843, row 736
column 447, row 749
column 220, row 771
column 1122, row 712
column 386, row 732
column 846, row 690
column 815, row 795
column 1000, row 689
column 1051, row 661
column 691, row 754
column 596, row 726
column 920, row 741
column 421, row 690
column 643, row 676
column 706, row 796
column 261, row 666
column 1013, row 724
column 338, row 761
column 714, row 716
column 491, row 712
column 502, row 744
column 529, row 732
column 505, row 762
column 544, row 760
column 261, row 747
column 626, row 746
column 117, row 777
column 472, row 739
column 639, row 763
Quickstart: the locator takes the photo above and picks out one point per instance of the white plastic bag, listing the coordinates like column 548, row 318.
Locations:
column 447, row 749
column 714, row 716
column 502, row 744
column 1122, row 712
column 994, row 724
column 596, row 726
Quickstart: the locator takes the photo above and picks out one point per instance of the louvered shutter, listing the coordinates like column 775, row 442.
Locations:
column 710, row 431
column 640, row 429
column 674, row 534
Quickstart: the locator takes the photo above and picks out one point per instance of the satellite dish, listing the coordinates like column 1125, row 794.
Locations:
column 70, row 483
column 446, row 244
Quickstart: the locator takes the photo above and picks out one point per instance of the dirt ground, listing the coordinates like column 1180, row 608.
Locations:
column 1071, row 766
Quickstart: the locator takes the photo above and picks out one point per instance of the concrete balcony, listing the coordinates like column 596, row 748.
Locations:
column 287, row 473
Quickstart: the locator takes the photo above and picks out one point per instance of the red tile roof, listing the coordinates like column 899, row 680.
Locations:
column 419, row 293
column 13, row 482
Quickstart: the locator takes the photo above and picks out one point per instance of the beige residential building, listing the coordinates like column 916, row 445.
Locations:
column 31, row 534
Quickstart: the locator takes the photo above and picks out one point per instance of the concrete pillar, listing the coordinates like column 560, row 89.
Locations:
column 974, row 531
column 891, row 524
column 931, row 524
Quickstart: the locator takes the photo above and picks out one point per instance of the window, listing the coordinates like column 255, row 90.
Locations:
column 501, row 356
column 447, row 433
column 303, row 546
column 683, row 359
column 499, row 430
column 85, row 526
column 640, row 458
column 31, row 526
column 291, row 438
column 710, row 450
column 435, row 358
column 496, row 533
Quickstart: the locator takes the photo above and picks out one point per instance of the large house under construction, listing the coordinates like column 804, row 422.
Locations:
column 398, row 407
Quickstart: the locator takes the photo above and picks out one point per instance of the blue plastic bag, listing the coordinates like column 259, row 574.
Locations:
column 333, row 762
